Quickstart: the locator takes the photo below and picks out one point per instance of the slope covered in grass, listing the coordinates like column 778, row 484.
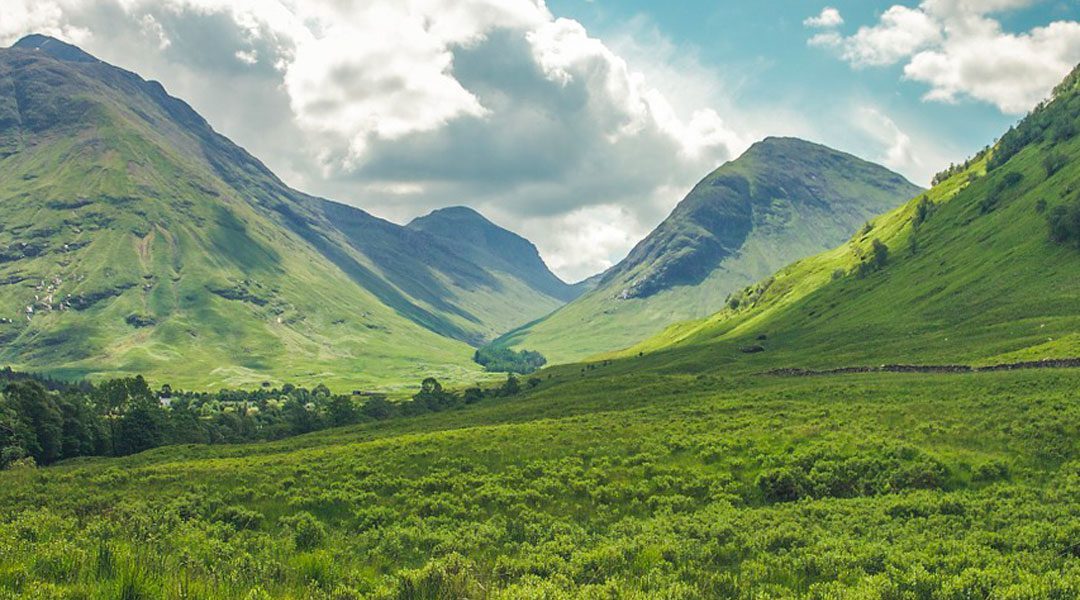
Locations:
column 972, row 272
column 784, row 199
column 135, row 239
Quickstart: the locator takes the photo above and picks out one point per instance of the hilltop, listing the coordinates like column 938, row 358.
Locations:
column 782, row 200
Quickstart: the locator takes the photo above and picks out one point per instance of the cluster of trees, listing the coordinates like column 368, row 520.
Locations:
column 500, row 359
column 749, row 296
column 43, row 421
column 956, row 168
column 1064, row 221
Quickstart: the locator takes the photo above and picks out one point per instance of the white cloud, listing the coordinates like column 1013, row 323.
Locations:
column 900, row 32
column 19, row 17
column 898, row 153
column 586, row 239
column 829, row 18
column 1013, row 72
column 959, row 51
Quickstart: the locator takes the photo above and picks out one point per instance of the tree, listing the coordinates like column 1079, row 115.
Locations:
column 876, row 260
column 430, row 385
column 922, row 210
column 142, row 427
column 1064, row 224
column 473, row 395
column 301, row 420
column 15, row 435
column 341, row 411
column 511, row 387
column 376, row 407
column 39, row 411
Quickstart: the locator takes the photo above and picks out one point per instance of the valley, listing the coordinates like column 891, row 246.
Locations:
column 813, row 380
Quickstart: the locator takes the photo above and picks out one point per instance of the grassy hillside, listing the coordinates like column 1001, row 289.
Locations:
column 135, row 239
column 783, row 200
column 972, row 274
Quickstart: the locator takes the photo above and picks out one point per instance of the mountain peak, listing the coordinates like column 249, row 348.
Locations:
column 473, row 235
column 774, row 145
column 54, row 48
column 456, row 213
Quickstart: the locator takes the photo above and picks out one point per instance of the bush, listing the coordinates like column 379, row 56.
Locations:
column 783, row 485
column 1053, row 162
column 876, row 260
column 1064, row 222
column 307, row 531
column 449, row 578
column 922, row 210
column 239, row 517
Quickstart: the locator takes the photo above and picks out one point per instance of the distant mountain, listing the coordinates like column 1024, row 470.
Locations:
column 984, row 269
column 134, row 238
column 782, row 200
column 475, row 237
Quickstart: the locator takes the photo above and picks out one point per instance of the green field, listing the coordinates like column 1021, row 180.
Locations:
column 623, row 481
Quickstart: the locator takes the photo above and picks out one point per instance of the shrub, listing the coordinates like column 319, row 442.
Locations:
column 922, row 210
column 876, row 260
column 239, row 517
column 1064, row 222
column 307, row 531
column 783, row 485
column 1053, row 162
column 449, row 578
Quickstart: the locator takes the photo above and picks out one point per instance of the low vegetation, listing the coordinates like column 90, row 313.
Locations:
column 608, row 483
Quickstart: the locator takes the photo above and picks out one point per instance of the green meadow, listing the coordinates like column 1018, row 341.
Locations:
column 627, row 480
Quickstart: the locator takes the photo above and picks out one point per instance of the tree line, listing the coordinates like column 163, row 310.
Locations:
column 43, row 421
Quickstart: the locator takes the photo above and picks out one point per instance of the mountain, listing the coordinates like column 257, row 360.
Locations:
column 134, row 238
column 984, row 269
column 782, row 200
column 472, row 235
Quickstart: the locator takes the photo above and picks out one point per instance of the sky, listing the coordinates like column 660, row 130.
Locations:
column 579, row 124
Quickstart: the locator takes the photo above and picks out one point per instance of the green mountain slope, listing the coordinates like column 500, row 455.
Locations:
column 135, row 239
column 782, row 200
column 972, row 273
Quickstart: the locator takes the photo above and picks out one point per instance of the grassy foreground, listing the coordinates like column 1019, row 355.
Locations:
column 599, row 484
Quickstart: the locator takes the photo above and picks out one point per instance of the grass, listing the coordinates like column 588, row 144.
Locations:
column 624, row 481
